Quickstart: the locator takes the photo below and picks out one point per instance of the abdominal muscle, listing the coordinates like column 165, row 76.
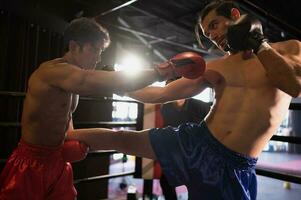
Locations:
column 46, row 116
column 44, row 128
column 245, row 120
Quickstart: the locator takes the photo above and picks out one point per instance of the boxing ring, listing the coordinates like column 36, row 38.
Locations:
column 283, row 172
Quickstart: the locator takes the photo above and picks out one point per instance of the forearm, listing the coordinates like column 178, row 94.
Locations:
column 131, row 82
column 148, row 95
column 180, row 89
column 284, row 73
column 100, row 82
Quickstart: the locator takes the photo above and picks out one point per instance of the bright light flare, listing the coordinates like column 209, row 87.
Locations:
column 130, row 63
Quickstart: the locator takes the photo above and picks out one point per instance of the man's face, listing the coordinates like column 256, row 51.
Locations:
column 87, row 55
column 215, row 28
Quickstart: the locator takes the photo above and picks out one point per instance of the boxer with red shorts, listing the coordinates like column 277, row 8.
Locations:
column 39, row 168
column 37, row 172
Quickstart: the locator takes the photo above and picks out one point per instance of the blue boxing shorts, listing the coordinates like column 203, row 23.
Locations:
column 189, row 155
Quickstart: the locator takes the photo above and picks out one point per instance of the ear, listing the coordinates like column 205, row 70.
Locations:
column 235, row 14
column 72, row 46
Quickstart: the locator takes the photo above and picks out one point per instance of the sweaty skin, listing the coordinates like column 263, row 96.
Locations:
column 248, row 109
column 251, row 99
column 53, row 90
column 47, row 110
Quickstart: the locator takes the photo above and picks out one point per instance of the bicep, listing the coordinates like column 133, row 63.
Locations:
column 179, row 89
column 293, row 55
column 289, row 63
column 185, row 88
column 290, row 49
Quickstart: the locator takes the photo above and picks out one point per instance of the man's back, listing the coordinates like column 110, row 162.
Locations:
column 248, row 109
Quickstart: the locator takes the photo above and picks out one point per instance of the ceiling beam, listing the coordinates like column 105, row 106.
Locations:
column 164, row 19
column 144, row 41
column 116, row 8
column 158, row 38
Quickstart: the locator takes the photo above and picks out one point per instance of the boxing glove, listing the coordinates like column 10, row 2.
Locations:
column 187, row 64
column 245, row 34
column 74, row 151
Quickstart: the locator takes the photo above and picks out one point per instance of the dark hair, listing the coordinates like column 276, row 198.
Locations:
column 86, row 30
column 222, row 8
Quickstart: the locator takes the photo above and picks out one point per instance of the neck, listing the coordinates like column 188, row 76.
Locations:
column 68, row 58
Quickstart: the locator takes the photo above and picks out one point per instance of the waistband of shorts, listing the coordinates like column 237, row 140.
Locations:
column 236, row 159
column 38, row 150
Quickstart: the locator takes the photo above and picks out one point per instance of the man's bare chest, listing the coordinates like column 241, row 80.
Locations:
column 237, row 72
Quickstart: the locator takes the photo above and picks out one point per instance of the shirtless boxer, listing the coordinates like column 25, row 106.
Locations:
column 37, row 169
column 216, row 159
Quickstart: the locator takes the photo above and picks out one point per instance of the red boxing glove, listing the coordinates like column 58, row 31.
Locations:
column 187, row 64
column 74, row 150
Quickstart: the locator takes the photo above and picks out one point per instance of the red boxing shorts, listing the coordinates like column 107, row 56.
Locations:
column 35, row 172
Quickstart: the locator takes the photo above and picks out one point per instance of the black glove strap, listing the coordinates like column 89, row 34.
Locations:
column 256, row 41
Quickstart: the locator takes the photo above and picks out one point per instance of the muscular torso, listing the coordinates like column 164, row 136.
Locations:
column 248, row 109
column 47, row 110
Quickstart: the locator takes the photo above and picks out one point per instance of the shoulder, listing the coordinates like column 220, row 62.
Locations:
column 57, row 67
column 288, row 47
column 213, row 74
column 53, row 71
column 54, row 63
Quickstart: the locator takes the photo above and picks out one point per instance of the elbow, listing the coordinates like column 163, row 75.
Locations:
column 296, row 89
column 291, row 87
column 293, row 94
column 296, row 92
column 293, row 91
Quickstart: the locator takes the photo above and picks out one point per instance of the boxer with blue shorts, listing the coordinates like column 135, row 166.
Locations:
column 253, row 85
column 191, row 156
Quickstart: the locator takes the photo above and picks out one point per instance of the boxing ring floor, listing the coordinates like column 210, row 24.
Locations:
column 268, row 188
